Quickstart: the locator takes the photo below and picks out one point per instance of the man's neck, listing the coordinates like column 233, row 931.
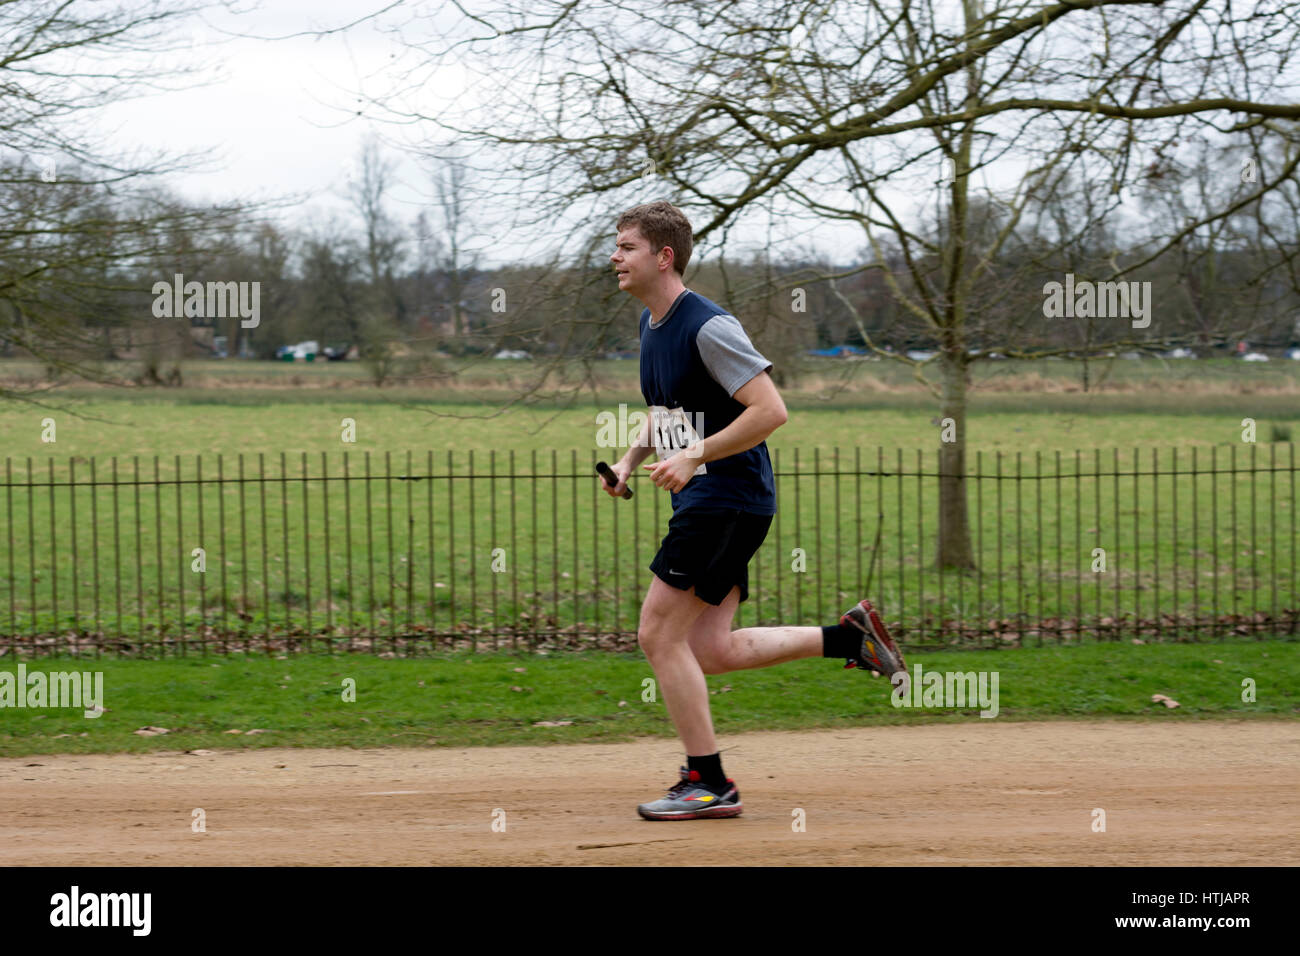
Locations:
column 662, row 300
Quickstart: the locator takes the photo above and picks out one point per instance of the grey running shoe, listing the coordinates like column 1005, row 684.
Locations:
column 689, row 799
column 879, row 652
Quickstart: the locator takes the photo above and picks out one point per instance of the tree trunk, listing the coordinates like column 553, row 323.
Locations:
column 954, row 549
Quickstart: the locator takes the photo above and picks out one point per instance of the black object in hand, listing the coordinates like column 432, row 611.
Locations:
column 611, row 479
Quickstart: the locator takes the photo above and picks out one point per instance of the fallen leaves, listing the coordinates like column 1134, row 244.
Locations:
column 552, row 723
column 151, row 731
column 1162, row 699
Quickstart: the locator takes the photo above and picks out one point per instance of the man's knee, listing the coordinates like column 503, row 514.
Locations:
column 646, row 639
column 656, row 632
column 666, row 617
column 713, row 652
column 654, row 629
column 711, row 664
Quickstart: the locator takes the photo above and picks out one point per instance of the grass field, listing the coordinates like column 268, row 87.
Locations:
column 494, row 699
column 249, row 407
column 851, row 379
column 575, row 559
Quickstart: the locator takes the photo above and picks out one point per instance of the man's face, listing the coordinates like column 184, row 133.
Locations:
column 636, row 266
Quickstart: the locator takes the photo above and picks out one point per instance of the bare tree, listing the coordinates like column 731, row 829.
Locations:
column 451, row 257
column 83, row 226
column 848, row 112
column 334, row 282
column 370, row 191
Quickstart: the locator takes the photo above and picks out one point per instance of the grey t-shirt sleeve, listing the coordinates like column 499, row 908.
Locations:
column 728, row 354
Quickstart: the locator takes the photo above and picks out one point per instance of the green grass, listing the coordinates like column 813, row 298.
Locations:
column 1235, row 557
column 812, row 374
column 472, row 700
column 1015, row 410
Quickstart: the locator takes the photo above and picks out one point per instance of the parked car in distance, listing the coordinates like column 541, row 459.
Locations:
column 1254, row 357
column 307, row 351
column 512, row 354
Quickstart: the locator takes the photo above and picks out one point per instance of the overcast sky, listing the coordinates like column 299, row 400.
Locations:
column 277, row 117
column 275, row 113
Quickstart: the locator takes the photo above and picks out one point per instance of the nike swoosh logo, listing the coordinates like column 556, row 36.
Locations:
column 680, row 574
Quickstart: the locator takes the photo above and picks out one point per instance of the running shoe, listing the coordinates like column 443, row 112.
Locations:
column 879, row 652
column 690, row 799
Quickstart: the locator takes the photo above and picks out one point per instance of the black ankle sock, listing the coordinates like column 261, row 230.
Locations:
column 709, row 768
column 841, row 642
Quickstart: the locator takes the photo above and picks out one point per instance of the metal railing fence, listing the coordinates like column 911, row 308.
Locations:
column 409, row 553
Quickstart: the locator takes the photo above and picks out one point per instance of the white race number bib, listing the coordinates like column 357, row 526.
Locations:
column 671, row 432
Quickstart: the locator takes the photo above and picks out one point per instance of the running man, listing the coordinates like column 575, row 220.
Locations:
column 712, row 406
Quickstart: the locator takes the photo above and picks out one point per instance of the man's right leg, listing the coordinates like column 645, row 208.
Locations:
column 721, row 650
column 858, row 637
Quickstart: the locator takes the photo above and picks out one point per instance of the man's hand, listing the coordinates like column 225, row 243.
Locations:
column 622, row 470
column 673, row 473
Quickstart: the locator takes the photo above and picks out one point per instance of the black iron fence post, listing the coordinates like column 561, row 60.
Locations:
column 47, row 570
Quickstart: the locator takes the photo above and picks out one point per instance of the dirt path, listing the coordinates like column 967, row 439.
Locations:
column 1207, row 793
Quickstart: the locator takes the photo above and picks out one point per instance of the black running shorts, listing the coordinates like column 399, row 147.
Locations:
column 710, row 550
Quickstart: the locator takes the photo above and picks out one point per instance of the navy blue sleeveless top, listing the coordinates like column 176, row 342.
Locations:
column 673, row 375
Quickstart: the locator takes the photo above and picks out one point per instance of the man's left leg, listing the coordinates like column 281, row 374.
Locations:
column 667, row 615
column 703, row 790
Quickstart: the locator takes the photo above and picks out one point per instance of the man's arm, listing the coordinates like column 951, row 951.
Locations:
column 639, row 450
column 764, row 413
